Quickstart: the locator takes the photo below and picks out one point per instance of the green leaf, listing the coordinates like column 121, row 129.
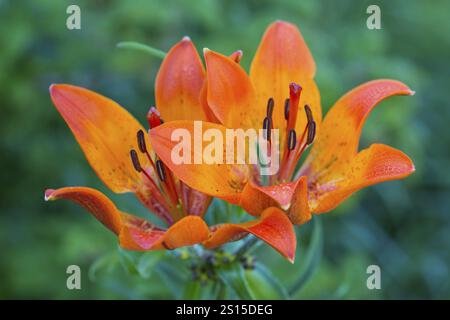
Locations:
column 264, row 285
column 233, row 276
column 192, row 290
column 104, row 264
column 128, row 261
column 312, row 258
column 142, row 47
column 147, row 262
column 174, row 275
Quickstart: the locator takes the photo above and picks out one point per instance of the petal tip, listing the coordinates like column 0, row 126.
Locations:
column 186, row 39
column 206, row 50
column 48, row 194
column 291, row 259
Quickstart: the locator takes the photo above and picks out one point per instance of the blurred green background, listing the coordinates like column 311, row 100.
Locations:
column 401, row 226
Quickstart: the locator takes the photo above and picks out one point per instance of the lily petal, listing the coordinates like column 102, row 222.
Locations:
column 99, row 205
column 188, row 231
column 134, row 233
column 105, row 131
column 282, row 58
column 273, row 227
column 299, row 212
column 179, row 83
column 230, row 94
column 373, row 165
column 196, row 203
column 221, row 180
column 338, row 139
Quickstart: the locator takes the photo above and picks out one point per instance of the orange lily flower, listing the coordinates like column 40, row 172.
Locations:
column 117, row 148
column 275, row 93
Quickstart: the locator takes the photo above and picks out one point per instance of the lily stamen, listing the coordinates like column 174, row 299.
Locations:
column 270, row 106
column 292, row 156
column 137, row 166
column 143, row 147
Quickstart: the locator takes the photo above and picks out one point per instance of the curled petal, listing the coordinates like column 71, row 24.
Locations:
column 338, row 139
column 230, row 94
column 373, row 165
column 141, row 235
column 282, row 58
column 179, row 83
column 134, row 233
column 92, row 200
column 273, row 227
column 298, row 211
column 105, row 131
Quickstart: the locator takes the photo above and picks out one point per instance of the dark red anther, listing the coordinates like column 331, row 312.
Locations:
column 153, row 118
column 292, row 140
column 135, row 160
column 311, row 132
column 286, row 108
column 160, row 170
column 309, row 114
column 141, row 141
column 270, row 105
column 267, row 126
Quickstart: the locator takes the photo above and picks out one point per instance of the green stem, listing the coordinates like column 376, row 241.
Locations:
column 312, row 258
column 246, row 246
column 142, row 47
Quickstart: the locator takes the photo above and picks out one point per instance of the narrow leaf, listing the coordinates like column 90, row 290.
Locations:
column 264, row 285
column 233, row 277
column 142, row 47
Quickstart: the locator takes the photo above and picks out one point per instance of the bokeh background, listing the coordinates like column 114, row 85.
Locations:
column 401, row 226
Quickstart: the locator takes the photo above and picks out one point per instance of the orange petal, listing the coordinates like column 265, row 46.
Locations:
column 196, row 203
column 105, row 131
column 210, row 116
column 134, row 233
column 92, row 200
column 299, row 212
column 272, row 227
column 282, row 58
column 230, row 94
column 220, row 180
column 188, row 231
column 338, row 139
column 179, row 82
column 373, row 165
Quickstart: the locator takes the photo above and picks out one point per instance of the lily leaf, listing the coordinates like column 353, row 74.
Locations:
column 147, row 262
column 312, row 258
column 142, row 47
column 104, row 264
column 192, row 290
column 128, row 260
column 173, row 273
column 264, row 285
column 233, row 276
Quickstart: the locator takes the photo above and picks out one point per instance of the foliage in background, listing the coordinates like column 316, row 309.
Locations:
column 401, row 226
